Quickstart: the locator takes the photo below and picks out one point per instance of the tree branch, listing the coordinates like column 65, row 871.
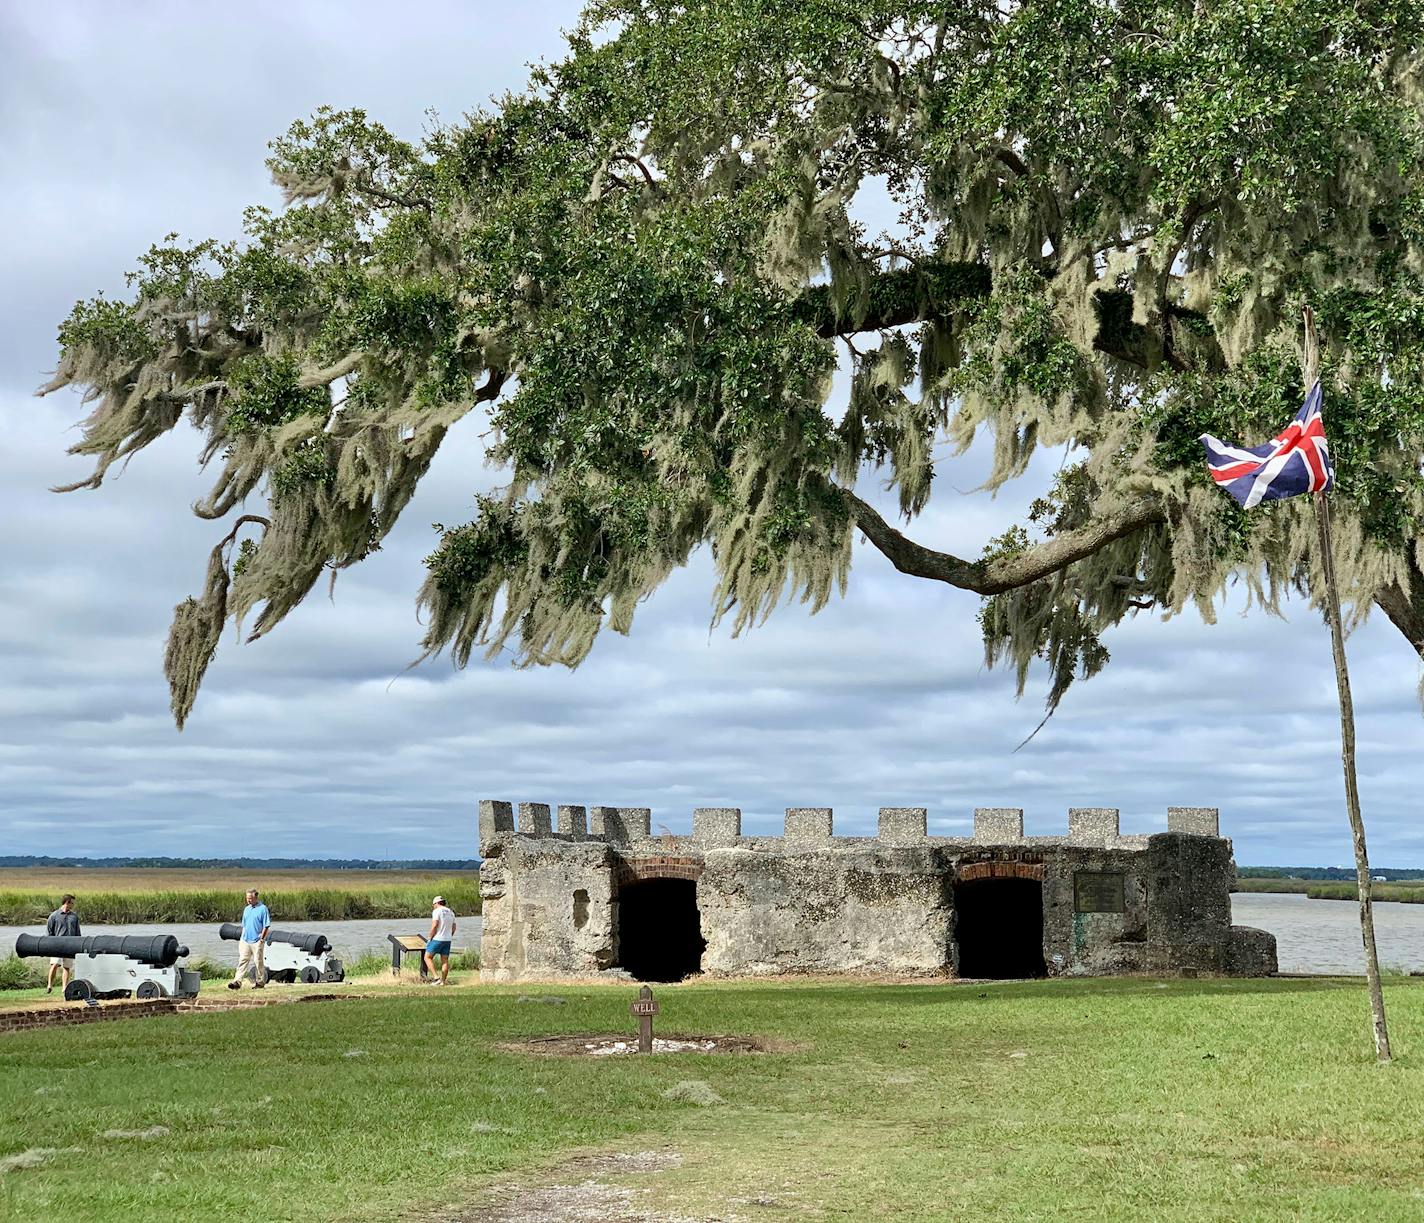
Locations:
column 325, row 377
column 404, row 201
column 1007, row 572
column 1399, row 606
column 185, row 394
column 636, row 161
column 493, row 384
column 935, row 290
column 264, row 523
column 909, row 295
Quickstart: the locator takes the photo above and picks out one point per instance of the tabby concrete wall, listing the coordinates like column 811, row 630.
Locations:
column 810, row 901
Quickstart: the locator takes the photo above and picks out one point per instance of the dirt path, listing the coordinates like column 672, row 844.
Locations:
column 609, row 1188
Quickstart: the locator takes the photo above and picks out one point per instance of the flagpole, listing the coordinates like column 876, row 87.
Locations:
column 1347, row 727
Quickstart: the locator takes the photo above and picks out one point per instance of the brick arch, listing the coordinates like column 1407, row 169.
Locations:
column 971, row 871
column 659, row 866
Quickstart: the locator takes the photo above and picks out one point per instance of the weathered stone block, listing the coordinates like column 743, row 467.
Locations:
column 717, row 825
column 637, row 821
column 861, row 910
column 549, row 910
column 1092, row 825
column 601, row 819
column 807, row 826
column 1198, row 821
column 573, row 821
column 1251, row 953
column 496, row 821
column 619, row 825
column 534, row 819
column 1189, row 902
column 903, row 825
column 996, row 824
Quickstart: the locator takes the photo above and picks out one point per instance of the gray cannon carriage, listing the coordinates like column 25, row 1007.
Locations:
column 117, row 966
column 291, row 956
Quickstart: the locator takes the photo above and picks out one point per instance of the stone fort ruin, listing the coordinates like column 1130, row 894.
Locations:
column 595, row 890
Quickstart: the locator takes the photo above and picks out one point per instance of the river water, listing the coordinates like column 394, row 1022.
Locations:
column 349, row 938
column 1311, row 935
column 1324, row 935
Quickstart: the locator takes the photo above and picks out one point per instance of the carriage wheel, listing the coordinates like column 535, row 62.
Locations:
column 78, row 991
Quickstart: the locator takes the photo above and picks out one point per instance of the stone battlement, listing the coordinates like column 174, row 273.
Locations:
column 577, row 891
column 808, row 828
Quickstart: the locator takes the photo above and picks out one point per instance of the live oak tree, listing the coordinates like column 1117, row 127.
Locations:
column 646, row 267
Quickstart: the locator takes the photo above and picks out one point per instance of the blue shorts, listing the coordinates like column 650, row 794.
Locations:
column 438, row 947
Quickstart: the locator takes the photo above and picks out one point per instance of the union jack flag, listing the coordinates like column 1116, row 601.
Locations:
column 1296, row 460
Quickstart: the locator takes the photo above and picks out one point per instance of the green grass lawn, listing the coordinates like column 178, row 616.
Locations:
column 1125, row 1099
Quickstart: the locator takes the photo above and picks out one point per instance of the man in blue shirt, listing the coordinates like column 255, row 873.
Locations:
column 255, row 923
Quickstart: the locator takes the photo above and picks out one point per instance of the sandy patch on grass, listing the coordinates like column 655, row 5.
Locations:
column 32, row 1158
column 153, row 1131
column 587, row 1189
column 603, row 1045
column 694, row 1091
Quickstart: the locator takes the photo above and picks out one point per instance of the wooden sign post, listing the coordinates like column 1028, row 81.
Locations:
column 645, row 1007
column 1331, row 602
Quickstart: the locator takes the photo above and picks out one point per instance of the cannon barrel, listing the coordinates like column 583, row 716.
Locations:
column 156, row 950
column 312, row 944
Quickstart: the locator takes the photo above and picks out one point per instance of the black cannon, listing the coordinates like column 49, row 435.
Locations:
column 155, row 950
column 117, row 965
column 312, row 944
column 294, row 956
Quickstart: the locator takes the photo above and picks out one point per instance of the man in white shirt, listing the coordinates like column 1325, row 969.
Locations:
column 442, row 933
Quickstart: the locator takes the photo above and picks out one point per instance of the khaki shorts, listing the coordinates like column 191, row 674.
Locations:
column 60, row 962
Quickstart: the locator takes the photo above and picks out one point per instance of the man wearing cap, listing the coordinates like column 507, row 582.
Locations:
column 442, row 932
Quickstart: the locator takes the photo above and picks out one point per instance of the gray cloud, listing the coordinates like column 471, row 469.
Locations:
column 318, row 740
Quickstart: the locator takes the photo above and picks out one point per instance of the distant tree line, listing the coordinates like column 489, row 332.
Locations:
column 1324, row 872
column 333, row 864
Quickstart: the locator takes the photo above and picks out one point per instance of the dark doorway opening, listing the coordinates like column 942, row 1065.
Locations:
column 998, row 924
column 659, row 929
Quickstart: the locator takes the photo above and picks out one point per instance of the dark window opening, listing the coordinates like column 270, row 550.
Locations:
column 998, row 924
column 659, row 929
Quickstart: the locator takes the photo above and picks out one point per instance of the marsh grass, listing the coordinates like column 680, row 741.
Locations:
column 353, row 896
column 187, row 879
column 1404, row 893
column 16, row 973
column 1129, row 1099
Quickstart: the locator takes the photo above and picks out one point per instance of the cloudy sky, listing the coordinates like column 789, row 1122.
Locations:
column 121, row 123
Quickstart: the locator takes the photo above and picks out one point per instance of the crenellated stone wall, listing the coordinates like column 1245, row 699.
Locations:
column 810, row 901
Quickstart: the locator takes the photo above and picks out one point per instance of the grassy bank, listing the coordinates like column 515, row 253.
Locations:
column 1405, row 893
column 1408, row 892
column 1272, row 885
column 118, row 896
column 1126, row 1099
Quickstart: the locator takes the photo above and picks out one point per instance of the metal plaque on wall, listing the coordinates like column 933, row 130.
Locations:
column 1099, row 892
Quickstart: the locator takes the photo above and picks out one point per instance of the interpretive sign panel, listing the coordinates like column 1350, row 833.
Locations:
column 1099, row 892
